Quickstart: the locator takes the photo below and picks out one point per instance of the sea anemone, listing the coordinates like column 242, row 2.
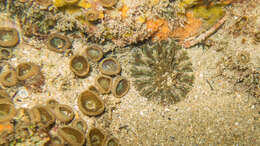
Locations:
column 103, row 83
column 95, row 137
column 58, row 43
column 120, row 86
column 109, row 66
column 79, row 65
column 162, row 71
column 9, row 37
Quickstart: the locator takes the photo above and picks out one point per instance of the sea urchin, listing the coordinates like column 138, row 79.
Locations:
column 162, row 71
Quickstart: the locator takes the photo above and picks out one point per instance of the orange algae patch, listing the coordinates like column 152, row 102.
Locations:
column 5, row 126
column 124, row 10
column 189, row 29
column 160, row 28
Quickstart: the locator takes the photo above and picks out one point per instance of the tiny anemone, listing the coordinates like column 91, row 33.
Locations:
column 90, row 104
column 44, row 3
column 30, row 75
column 8, row 78
column 9, row 37
column 42, row 116
column 27, row 70
column 162, row 71
column 94, row 52
column 79, row 65
column 55, row 140
column 243, row 57
column 95, row 137
column 103, row 83
column 257, row 37
column 93, row 89
column 109, row 66
column 4, row 95
column 92, row 15
column 5, row 53
column 111, row 141
column 7, row 111
column 108, row 3
column 120, row 86
column 23, row 114
column 52, row 103
column 58, row 43
column 80, row 124
column 72, row 135
column 64, row 113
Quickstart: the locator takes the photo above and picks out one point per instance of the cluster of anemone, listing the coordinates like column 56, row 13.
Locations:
column 27, row 73
column 162, row 71
column 237, row 69
column 9, row 38
column 71, row 130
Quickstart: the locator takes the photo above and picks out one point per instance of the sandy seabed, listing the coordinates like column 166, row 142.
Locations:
column 212, row 114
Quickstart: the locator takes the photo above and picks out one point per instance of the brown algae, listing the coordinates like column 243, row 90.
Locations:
column 90, row 104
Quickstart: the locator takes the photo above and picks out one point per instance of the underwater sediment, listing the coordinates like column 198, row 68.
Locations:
column 129, row 72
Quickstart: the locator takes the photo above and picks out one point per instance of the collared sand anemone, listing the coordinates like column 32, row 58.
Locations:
column 30, row 75
column 9, row 37
column 103, row 83
column 72, row 135
column 5, row 53
column 120, row 86
column 64, row 113
column 90, row 103
column 7, row 110
column 4, row 95
column 52, row 103
column 79, row 65
column 27, row 70
column 8, row 78
column 111, row 141
column 80, row 124
column 109, row 66
column 94, row 52
column 58, row 43
column 95, row 137
column 42, row 116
